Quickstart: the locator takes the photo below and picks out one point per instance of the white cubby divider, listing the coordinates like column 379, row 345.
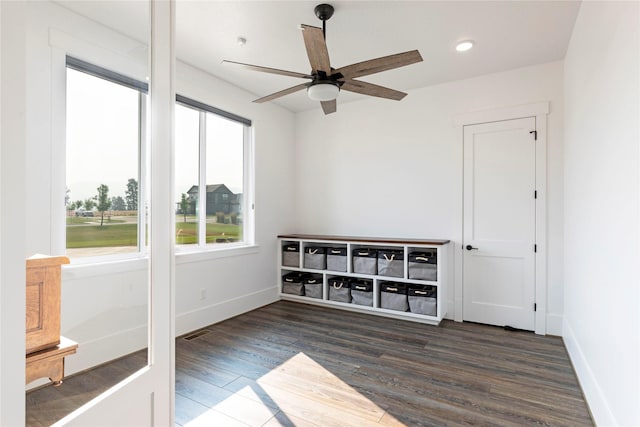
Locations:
column 408, row 246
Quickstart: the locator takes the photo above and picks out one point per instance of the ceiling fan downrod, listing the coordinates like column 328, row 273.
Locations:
column 324, row 11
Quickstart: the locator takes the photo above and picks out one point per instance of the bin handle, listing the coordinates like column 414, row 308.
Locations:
column 335, row 251
column 421, row 258
column 311, row 281
column 313, row 251
column 421, row 292
column 338, row 287
column 389, row 259
column 392, row 289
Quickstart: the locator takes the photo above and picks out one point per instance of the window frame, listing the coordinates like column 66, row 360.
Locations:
column 142, row 88
column 248, row 216
column 248, row 243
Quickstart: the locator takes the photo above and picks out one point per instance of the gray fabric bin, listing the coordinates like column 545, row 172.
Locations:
column 292, row 283
column 393, row 296
column 423, row 265
column 339, row 289
column 362, row 292
column 337, row 259
column 422, row 300
column 315, row 257
column 365, row 261
column 291, row 255
column 313, row 286
column 391, row 263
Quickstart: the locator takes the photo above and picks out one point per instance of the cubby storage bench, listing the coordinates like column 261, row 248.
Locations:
column 367, row 260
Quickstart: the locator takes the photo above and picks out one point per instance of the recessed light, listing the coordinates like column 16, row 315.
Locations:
column 464, row 46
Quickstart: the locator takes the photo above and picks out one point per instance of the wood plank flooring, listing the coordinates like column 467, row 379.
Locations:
column 292, row 364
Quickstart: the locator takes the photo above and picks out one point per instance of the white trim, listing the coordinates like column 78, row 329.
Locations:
column 97, row 269
column 13, row 224
column 539, row 111
column 594, row 396
column 212, row 253
column 201, row 210
column 541, row 223
column 58, row 152
column 162, row 214
column 498, row 114
column 214, row 313
column 554, row 324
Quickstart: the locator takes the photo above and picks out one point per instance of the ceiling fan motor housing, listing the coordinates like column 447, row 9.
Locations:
column 324, row 11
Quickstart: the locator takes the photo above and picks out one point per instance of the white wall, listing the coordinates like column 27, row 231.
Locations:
column 386, row 168
column 602, row 208
column 104, row 305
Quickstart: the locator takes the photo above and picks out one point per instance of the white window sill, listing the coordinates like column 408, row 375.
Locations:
column 101, row 266
column 185, row 255
column 92, row 267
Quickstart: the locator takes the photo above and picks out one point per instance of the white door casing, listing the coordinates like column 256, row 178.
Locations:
column 499, row 223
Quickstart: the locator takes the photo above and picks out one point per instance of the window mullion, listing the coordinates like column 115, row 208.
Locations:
column 142, row 173
column 202, row 184
column 249, row 185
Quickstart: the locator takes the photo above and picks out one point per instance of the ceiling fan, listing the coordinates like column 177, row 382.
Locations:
column 326, row 81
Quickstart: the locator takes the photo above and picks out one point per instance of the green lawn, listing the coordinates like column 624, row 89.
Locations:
column 187, row 232
column 94, row 236
column 75, row 220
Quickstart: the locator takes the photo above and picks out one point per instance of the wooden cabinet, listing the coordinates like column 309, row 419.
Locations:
column 45, row 348
column 43, row 301
column 291, row 250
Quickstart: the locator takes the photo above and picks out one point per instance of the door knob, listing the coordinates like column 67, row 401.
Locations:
column 469, row 248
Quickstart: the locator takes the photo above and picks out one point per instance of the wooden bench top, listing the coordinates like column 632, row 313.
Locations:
column 365, row 239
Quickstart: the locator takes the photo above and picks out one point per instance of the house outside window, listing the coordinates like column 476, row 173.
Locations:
column 214, row 152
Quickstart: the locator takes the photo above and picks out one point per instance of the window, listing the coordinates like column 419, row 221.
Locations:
column 104, row 128
column 213, row 151
column 105, row 168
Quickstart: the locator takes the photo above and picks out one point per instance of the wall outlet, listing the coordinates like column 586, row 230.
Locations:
column 203, row 294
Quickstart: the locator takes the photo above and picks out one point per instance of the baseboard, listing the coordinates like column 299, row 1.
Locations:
column 596, row 401
column 201, row 317
column 554, row 324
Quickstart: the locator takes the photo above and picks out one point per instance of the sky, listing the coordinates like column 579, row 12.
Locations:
column 102, row 141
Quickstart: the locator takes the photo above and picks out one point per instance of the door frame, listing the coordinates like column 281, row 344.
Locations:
column 154, row 384
column 540, row 111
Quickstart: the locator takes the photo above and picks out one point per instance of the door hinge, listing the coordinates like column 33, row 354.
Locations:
column 535, row 134
column 535, row 194
column 535, row 248
column 535, row 307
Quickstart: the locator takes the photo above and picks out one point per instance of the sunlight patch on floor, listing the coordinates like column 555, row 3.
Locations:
column 307, row 394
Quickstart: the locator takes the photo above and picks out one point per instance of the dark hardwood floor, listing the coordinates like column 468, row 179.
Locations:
column 299, row 365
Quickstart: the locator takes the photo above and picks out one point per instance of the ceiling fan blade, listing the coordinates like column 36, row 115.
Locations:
column 377, row 65
column 372, row 90
column 316, row 48
column 269, row 70
column 281, row 93
column 329, row 106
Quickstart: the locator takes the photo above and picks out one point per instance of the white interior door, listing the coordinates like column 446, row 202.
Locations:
column 146, row 397
column 499, row 223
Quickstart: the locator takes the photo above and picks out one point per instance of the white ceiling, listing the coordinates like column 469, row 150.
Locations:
column 508, row 35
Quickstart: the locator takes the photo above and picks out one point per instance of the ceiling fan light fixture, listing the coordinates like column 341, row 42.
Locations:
column 464, row 45
column 326, row 91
